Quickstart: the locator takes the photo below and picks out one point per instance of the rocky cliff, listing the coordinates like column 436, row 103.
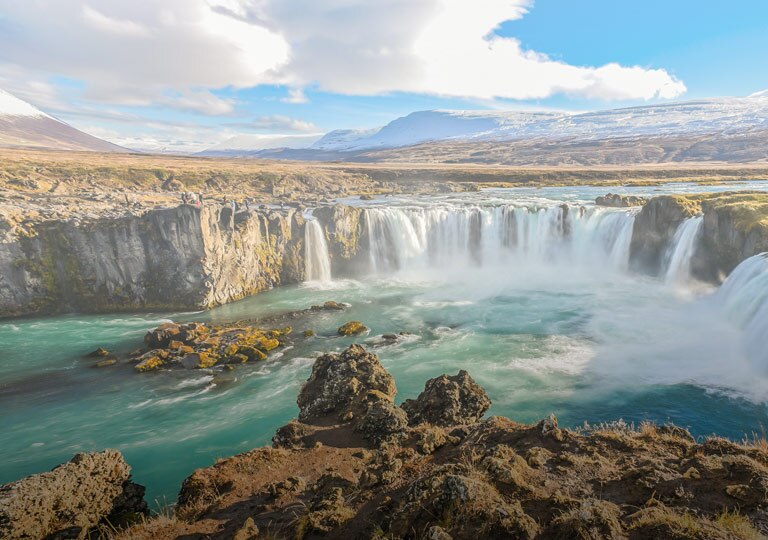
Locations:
column 347, row 236
column 735, row 227
column 171, row 258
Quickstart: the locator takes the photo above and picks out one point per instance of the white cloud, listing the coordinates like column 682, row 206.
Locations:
column 279, row 123
column 137, row 52
column 129, row 52
column 295, row 95
column 102, row 22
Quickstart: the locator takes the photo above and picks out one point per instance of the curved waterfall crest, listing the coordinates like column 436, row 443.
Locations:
column 415, row 237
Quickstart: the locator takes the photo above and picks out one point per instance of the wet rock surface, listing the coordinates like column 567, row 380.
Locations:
column 72, row 499
column 345, row 385
column 351, row 467
column 202, row 346
column 448, row 401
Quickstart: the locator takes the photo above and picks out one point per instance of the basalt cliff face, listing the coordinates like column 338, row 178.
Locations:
column 734, row 227
column 187, row 257
column 172, row 258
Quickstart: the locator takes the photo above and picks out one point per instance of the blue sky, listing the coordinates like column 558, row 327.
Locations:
column 188, row 74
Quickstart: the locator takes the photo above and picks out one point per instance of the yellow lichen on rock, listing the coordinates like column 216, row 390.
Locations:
column 352, row 328
column 149, row 364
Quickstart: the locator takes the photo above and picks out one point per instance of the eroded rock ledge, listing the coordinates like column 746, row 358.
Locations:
column 356, row 465
column 72, row 500
column 734, row 228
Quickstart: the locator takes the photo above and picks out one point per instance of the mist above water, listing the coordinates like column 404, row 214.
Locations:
column 667, row 331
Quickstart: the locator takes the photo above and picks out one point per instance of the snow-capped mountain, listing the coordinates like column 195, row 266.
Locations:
column 343, row 139
column 241, row 145
column 24, row 125
column 424, row 126
column 710, row 116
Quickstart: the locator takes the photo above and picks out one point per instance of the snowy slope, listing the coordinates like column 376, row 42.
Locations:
column 721, row 115
column 24, row 125
column 343, row 139
column 243, row 144
column 423, row 126
column 12, row 106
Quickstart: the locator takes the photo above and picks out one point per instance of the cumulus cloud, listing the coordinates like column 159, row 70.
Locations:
column 134, row 52
column 131, row 52
column 280, row 124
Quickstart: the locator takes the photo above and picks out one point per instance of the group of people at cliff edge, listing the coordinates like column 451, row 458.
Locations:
column 190, row 197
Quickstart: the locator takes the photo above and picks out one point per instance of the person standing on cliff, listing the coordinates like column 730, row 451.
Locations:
column 199, row 199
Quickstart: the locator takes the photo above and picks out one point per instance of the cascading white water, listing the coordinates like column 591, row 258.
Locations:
column 316, row 256
column 744, row 297
column 680, row 252
column 447, row 236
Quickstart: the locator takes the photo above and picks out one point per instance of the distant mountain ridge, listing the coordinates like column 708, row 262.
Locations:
column 675, row 119
column 22, row 125
column 717, row 129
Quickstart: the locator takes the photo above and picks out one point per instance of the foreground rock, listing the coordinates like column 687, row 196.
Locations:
column 72, row 499
column 448, row 401
column 353, row 467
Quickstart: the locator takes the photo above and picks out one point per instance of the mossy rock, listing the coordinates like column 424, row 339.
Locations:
column 231, row 349
column 309, row 333
column 151, row 363
column 199, row 360
column 352, row 328
column 237, row 359
column 266, row 344
column 251, row 353
column 99, row 353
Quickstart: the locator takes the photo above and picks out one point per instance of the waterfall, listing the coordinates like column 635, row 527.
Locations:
column 451, row 236
column 744, row 297
column 316, row 256
column 681, row 250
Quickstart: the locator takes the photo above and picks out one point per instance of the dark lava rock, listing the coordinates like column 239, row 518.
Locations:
column 340, row 385
column 448, row 401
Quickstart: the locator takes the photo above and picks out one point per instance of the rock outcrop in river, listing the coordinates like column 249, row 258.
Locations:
column 355, row 465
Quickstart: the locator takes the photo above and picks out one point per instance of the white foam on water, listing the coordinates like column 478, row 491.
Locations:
column 559, row 354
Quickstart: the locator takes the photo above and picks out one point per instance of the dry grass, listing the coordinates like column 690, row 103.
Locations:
column 151, row 172
column 738, row 524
